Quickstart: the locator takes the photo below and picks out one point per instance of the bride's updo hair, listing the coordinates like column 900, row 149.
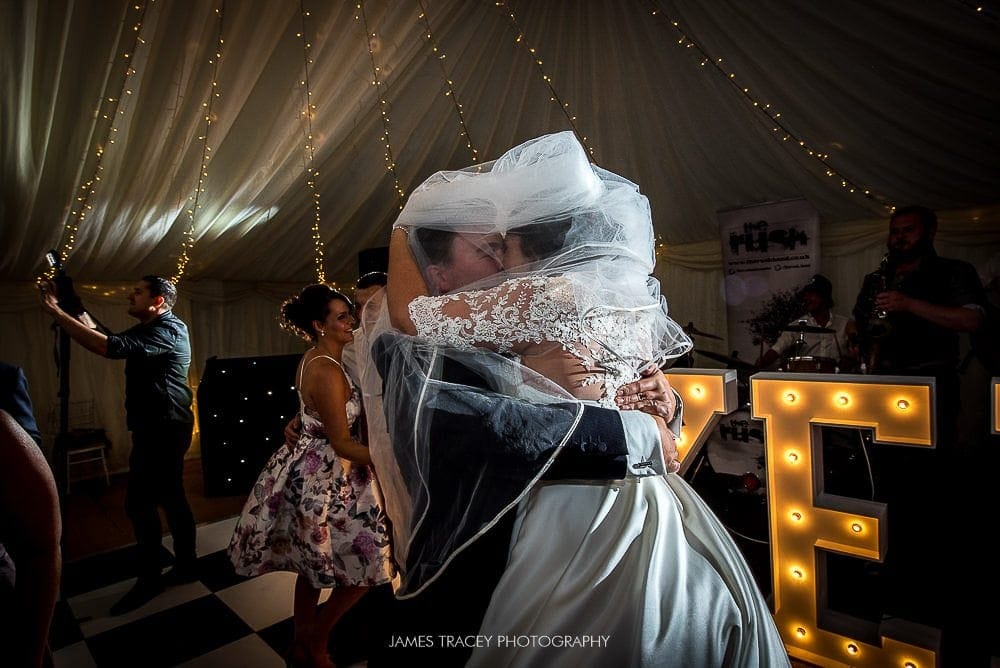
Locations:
column 313, row 303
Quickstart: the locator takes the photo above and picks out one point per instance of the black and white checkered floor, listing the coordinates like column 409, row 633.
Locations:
column 222, row 619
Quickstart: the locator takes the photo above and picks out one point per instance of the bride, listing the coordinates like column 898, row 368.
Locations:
column 633, row 569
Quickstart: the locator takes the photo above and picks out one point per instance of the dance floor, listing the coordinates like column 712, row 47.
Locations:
column 222, row 619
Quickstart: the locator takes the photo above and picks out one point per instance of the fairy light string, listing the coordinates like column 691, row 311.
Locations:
column 982, row 11
column 310, row 148
column 778, row 127
column 208, row 105
column 110, row 109
column 390, row 162
column 440, row 56
column 538, row 63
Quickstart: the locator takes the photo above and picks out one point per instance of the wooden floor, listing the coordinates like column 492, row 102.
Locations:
column 94, row 518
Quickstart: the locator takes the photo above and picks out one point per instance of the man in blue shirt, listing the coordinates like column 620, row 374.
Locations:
column 157, row 354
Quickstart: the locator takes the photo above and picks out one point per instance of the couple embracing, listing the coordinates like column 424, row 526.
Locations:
column 528, row 512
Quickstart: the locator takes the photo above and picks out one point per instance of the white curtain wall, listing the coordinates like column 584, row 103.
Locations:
column 240, row 320
column 134, row 133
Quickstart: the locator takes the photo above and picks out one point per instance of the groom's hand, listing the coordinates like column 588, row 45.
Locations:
column 651, row 394
column 669, row 444
column 292, row 431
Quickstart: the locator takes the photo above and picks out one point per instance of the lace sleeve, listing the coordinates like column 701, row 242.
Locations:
column 507, row 318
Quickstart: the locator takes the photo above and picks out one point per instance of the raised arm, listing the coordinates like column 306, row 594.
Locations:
column 405, row 282
column 84, row 333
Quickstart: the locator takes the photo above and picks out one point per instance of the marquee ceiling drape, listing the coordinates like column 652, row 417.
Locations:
column 904, row 98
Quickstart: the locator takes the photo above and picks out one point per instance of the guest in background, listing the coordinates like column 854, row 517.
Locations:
column 157, row 354
column 367, row 286
column 30, row 556
column 314, row 510
column 14, row 399
column 912, row 311
column 817, row 295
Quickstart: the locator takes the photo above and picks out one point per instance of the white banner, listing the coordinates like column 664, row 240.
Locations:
column 766, row 248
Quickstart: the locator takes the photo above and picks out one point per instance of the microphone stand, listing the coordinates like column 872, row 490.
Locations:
column 60, row 470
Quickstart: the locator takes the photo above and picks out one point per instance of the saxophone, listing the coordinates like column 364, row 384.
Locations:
column 878, row 325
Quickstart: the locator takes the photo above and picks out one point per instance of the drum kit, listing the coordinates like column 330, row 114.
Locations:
column 807, row 363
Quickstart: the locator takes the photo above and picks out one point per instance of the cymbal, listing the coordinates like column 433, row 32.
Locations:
column 691, row 329
column 808, row 329
column 730, row 362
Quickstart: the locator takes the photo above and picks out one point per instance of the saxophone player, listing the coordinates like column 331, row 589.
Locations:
column 928, row 301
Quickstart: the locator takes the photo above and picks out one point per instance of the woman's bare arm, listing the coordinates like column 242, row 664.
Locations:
column 326, row 390
column 405, row 281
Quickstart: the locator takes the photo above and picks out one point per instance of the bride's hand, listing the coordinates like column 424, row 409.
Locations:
column 650, row 394
column 669, row 444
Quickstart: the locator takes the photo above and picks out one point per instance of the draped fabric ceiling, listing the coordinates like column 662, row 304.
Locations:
column 728, row 107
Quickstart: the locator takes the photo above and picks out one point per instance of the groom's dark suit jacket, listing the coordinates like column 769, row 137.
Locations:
column 454, row 604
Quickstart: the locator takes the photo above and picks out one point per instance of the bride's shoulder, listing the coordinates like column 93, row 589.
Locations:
column 536, row 284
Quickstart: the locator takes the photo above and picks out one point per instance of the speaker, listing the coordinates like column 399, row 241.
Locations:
column 244, row 404
column 373, row 259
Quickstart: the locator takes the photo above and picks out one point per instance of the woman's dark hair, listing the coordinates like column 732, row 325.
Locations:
column 313, row 303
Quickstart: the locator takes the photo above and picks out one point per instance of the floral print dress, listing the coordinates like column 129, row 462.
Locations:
column 315, row 514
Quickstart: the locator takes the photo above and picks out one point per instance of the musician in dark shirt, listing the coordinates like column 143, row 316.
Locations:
column 157, row 354
column 912, row 311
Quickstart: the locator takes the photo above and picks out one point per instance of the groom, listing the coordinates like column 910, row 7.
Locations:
column 435, row 624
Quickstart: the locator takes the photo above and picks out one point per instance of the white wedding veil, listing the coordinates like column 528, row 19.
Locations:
column 459, row 436
column 574, row 219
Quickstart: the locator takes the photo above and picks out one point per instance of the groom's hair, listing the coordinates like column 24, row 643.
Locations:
column 436, row 244
column 540, row 241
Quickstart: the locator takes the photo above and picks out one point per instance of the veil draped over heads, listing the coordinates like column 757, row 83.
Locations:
column 571, row 218
column 459, row 433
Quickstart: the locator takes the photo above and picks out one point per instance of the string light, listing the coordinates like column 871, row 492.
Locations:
column 981, row 10
column 564, row 106
column 208, row 105
column 110, row 109
column 390, row 162
column 311, row 173
column 440, row 57
column 779, row 129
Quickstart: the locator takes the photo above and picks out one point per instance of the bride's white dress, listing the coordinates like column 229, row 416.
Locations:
column 637, row 572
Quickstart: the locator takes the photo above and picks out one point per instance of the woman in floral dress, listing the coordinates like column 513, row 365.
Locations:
column 314, row 510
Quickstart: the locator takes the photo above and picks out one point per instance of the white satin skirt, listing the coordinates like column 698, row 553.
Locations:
column 638, row 572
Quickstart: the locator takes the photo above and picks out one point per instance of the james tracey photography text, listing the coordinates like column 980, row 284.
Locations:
column 499, row 641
